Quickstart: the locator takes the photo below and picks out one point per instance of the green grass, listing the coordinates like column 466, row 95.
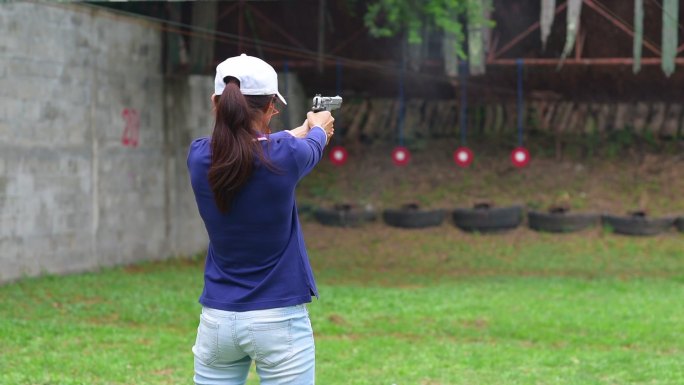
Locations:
column 422, row 307
column 503, row 331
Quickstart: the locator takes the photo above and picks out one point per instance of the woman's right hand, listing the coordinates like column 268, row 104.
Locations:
column 323, row 119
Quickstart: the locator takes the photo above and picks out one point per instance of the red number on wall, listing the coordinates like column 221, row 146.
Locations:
column 130, row 133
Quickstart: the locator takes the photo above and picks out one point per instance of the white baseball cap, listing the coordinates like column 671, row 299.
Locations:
column 255, row 75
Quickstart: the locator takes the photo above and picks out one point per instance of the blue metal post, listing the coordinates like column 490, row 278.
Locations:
column 338, row 83
column 286, row 113
column 520, row 102
column 463, row 75
column 338, row 87
column 402, row 107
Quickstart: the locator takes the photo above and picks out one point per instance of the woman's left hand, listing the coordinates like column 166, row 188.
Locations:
column 301, row 131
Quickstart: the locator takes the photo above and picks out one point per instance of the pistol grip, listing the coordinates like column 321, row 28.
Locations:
column 319, row 109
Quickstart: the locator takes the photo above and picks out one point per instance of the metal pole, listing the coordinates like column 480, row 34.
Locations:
column 286, row 72
column 338, row 79
column 321, row 33
column 402, row 106
column 463, row 74
column 338, row 87
column 606, row 61
column 520, row 102
column 241, row 16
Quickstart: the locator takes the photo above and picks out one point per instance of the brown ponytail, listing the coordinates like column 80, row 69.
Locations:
column 233, row 142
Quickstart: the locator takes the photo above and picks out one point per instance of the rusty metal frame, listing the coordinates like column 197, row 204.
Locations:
column 242, row 7
column 275, row 26
column 517, row 39
column 495, row 56
column 227, row 11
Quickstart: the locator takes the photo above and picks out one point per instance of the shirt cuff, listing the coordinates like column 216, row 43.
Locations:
column 325, row 135
column 321, row 128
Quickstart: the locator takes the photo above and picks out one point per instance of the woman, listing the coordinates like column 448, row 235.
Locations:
column 257, row 277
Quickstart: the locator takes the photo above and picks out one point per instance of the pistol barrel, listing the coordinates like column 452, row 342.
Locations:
column 326, row 103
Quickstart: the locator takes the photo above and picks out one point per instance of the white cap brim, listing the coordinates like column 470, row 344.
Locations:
column 282, row 99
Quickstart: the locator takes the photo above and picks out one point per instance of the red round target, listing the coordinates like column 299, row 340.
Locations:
column 520, row 157
column 463, row 157
column 401, row 156
column 338, row 155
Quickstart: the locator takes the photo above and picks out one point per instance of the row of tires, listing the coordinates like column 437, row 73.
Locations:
column 485, row 218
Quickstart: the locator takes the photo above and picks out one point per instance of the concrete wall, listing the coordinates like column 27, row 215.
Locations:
column 76, row 191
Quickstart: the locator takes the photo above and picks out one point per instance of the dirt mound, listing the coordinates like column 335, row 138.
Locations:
column 625, row 182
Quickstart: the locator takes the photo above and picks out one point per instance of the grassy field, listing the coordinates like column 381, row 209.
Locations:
column 424, row 307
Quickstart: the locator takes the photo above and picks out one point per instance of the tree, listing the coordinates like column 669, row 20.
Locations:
column 387, row 18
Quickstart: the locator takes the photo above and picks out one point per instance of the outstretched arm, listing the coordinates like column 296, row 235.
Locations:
column 301, row 131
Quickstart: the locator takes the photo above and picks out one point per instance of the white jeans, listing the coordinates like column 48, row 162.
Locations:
column 279, row 340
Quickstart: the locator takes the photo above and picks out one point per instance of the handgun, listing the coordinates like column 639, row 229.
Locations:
column 326, row 103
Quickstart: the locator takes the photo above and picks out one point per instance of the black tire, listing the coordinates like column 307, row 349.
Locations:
column 680, row 224
column 487, row 220
column 561, row 222
column 637, row 224
column 410, row 216
column 344, row 215
column 305, row 209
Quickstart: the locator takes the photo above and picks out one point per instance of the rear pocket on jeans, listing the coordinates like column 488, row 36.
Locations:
column 272, row 341
column 206, row 344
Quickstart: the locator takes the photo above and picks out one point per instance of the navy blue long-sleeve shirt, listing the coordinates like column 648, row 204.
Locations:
column 256, row 257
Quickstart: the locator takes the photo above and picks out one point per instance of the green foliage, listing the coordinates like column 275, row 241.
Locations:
column 387, row 18
column 650, row 138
